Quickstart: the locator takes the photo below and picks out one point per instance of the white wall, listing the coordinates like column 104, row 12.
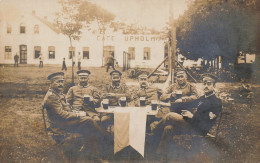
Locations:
column 48, row 37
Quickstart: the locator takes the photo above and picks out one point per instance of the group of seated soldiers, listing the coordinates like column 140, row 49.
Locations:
column 93, row 126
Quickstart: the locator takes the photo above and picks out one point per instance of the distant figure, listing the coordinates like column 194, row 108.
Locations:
column 110, row 61
column 16, row 58
column 79, row 61
column 64, row 67
column 41, row 61
column 116, row 63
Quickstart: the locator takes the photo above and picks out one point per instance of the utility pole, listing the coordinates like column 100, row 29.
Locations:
column 103, row 37
column 172, row 43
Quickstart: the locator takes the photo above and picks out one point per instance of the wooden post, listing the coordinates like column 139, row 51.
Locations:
column 172, row 55
column 157, row 67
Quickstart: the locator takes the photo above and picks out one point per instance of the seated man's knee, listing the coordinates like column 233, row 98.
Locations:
column 171, row 117
column 168, row 129
column 106, row 119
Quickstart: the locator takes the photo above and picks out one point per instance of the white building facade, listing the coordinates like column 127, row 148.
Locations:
column 31, row 36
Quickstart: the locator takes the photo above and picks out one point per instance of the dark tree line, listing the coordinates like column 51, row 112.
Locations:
column 213, row 28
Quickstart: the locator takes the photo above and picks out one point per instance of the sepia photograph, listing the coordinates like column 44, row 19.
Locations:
column 129, row 81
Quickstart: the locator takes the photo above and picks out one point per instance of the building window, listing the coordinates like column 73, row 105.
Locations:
column 22, row 28
column 71, row 52
column 85, row 52
column 51, row 50
column 131, row 51
column 147, row 53
column 36, row 29
column 8, row 52
column 9, row 28
column 37, row 51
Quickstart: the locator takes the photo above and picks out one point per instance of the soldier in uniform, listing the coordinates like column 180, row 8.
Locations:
column 62, row 119
column 189, row 92
column 200, row 122
column 145, row 90
column 115, row 90
column 75, row 96
column 181, row 88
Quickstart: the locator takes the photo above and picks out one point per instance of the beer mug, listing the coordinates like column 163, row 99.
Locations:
column 178, row 94
column 105, row 103
column 86, row 99
column 122, row 101
column 154, row 104
column 142, row 101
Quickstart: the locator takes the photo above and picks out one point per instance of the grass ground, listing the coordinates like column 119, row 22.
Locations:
column 23, row 139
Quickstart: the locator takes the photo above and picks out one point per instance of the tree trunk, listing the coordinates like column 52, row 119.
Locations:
column 72, row 60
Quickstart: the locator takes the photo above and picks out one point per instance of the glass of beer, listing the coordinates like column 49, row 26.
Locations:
column 105, row 103
column 122, row 101
column 142, row 101
column 154, row 104
column 178, row 94
column 86, row 99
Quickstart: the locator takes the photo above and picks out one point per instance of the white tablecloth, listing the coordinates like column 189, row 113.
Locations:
column 130, row 128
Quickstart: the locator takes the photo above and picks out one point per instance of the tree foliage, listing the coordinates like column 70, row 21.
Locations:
column 67, row 20
column 218, row 28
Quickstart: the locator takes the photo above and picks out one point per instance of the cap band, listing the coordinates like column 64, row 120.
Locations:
column 83, row 74
column 208, row 79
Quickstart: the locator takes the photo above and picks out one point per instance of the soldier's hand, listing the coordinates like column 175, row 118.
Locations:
column 212, row 115
column 111, row 95
column 173, row 94
column 178, row 100
column 186, row 113
column 91, row 98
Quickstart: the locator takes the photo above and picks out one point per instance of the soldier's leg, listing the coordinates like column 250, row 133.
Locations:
column 166, row 139
column 108, row 64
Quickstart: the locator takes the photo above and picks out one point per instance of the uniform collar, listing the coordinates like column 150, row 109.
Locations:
column 55, row 92
column 182, row 86
column 83, row 86
column 115, row 87
column 206, row 96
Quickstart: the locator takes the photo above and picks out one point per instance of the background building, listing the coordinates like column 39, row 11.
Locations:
column 30, row 36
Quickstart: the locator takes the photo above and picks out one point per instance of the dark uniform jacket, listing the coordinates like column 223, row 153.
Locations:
column 120, row 91
column 58, row 111
column 201, row 120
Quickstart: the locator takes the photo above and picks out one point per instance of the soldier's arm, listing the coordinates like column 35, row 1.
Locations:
column 69, row 96
column 154, row 93
column 105, row 91
column 96, row 96
column 167, row 94
column 136, row 96
column 125, row 93
column 52, row 102
column 194, row 95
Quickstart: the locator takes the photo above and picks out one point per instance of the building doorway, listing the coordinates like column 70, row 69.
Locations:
column 23, row 54
column 108, row 50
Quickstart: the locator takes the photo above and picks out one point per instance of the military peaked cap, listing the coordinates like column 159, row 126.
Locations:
column 56, row 75
column 83, row 72
column 209, row 77
column 143, row 74
column 114, row 72
column 180, row 73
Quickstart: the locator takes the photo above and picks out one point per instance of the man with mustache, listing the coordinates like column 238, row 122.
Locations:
column 75, row 96
column 200, row 122
column 116, row 89
column 145, row 91
column 61, row 119
column 188, row 91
